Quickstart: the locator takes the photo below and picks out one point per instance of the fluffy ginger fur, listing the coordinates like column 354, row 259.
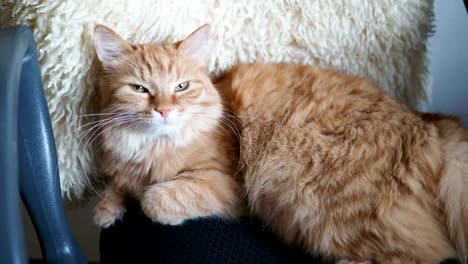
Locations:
column 328, row 161
column 335, row 165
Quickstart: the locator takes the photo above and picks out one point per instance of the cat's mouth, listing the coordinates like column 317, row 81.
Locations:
column 162, row 123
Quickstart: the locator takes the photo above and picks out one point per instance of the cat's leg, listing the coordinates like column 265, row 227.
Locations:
column 110, row 208
column 193, row 194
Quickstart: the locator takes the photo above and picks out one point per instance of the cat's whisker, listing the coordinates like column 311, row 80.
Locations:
column 96, row 114
column 224, row 120
column 82, row 134
column 232, row 127
column 237, row 133
column 97, row 125
column 97, row 121
column 89, row 185
column 227, row 116
column 92, row 139
column 117, row 123
column 107, row 128
column 216, row 123
column 231, row 113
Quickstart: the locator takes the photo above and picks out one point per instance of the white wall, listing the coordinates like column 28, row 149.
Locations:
column 449, row 59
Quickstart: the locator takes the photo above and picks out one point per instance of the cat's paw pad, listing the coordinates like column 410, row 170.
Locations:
column 105, row 214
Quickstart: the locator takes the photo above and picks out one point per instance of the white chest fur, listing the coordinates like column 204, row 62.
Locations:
column 128, row 146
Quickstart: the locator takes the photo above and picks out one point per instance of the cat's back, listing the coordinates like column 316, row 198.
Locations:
column 301, row 94
column 312, row 121
column 307, row 124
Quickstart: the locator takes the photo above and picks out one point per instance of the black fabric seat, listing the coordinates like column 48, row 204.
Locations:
column 136, row 239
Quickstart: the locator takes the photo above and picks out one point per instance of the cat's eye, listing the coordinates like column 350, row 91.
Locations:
column 140, row 89
column 182, row 87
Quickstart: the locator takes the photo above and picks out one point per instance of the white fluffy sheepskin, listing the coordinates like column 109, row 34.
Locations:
column 384, row 40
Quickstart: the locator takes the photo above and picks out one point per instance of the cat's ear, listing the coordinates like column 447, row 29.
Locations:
column 196, row 44
column 110, row 47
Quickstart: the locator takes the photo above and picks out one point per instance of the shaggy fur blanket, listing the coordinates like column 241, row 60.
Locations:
column 384, row 40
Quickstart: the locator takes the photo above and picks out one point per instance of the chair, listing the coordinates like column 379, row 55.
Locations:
column 28, row 162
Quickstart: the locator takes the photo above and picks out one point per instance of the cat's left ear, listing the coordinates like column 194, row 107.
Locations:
column 196, row 45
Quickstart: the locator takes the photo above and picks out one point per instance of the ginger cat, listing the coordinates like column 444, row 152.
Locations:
column 162, row 140
column 329, row 161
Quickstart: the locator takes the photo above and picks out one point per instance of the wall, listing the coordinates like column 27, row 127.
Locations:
column 449, row 59
column 83, row 228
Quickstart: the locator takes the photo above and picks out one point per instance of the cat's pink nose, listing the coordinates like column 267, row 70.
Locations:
column 164, row 112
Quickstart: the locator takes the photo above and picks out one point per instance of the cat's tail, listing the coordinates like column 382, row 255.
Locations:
column 453, row 188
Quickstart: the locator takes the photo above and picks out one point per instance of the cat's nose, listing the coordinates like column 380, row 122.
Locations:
column 164, row 111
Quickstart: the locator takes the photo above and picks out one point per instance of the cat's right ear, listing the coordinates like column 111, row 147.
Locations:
column 110, row 47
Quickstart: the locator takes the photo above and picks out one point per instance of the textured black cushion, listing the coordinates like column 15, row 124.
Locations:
column 137, row 240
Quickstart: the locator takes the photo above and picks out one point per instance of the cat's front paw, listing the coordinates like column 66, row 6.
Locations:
column 106, row 213
column 160, row 205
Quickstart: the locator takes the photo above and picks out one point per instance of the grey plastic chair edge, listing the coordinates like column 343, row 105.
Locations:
column 28, row 160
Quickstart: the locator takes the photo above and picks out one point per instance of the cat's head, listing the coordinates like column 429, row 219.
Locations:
column 157, row 91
